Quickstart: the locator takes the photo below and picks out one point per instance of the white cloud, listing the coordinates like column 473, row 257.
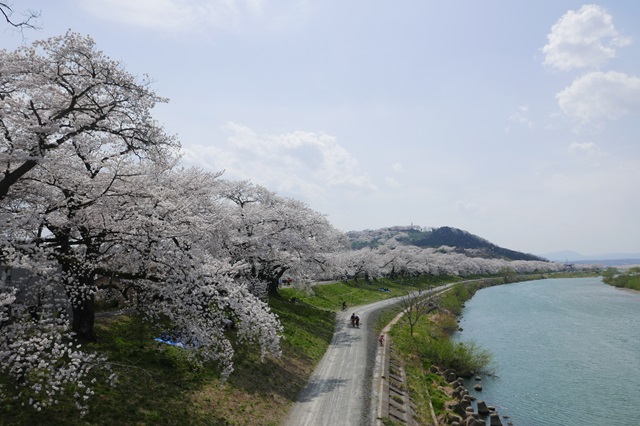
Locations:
column 469, row 208
column 196, row 15
column 397, row 167
column 587, row 148
column 392, row 182
column 152, row 14
column 586, row 38
column 520, row 117
column 297, row 162
column 599, row 95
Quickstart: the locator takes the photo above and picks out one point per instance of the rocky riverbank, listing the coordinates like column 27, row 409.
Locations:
column 464, row 409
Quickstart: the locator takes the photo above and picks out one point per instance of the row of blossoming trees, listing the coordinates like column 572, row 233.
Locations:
column 392, row 259
column 92, row 196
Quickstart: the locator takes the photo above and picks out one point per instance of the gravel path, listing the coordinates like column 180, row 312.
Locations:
column 339, row 390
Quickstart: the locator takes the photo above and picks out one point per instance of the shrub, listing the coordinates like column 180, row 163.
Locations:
column 463, row 357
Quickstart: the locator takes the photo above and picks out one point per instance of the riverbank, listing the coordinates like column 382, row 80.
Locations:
column 427, row 357
column 435, row 379
column 628, row 279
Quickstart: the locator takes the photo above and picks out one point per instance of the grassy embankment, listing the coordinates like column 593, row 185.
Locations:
column 431, row 345
column 629, row 279
column 159, row 386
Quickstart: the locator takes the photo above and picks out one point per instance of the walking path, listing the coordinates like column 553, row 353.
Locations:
column 337, row 393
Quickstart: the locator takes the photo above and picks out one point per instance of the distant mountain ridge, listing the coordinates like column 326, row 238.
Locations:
column 572, row 256
column 610, row 259
column 463, row 241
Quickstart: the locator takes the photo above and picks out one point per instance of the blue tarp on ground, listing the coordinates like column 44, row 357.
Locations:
column 170, row 342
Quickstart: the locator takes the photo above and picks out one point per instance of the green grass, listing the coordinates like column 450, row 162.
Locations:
column 307, row 330
column 386, row 316
column 330, row 296
column 158, row 385
column 629, row 279
column 430, row 345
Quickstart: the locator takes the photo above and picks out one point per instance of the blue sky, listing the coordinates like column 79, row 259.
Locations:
column 515, row 121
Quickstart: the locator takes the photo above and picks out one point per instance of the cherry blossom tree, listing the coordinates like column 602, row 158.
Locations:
column 393, row 259
column 275, row 235
column 147, row 226
column 76, row 114
column 353, row 264
column 400, row 259
column 62, row 88
column 90, row 188
column 167, row 255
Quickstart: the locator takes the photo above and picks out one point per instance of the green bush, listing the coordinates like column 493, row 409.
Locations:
column 454, row 299
column 463, row 357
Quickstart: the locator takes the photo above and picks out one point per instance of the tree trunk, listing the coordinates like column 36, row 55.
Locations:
column 273, row 281
column 272, row 287
column 83, row 320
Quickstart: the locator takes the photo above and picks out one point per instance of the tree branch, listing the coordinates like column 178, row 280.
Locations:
column 6, row 11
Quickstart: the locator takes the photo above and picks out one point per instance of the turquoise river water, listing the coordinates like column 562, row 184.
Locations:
column 566, row 351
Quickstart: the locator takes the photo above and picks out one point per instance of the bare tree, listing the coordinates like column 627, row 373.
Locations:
column 26, row 22
column 416, row 305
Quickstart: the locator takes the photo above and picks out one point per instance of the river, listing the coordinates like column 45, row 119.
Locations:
column 566, row 351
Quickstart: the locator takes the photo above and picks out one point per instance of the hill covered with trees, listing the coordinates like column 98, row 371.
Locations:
column 462, row 241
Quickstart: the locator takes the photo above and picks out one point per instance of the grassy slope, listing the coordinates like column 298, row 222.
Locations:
column 159, row 386
column 630, row 279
